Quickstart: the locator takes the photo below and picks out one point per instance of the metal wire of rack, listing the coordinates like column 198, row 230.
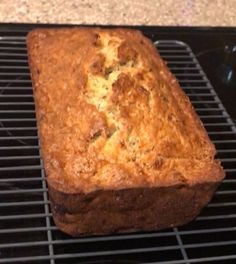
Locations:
column 27, row 231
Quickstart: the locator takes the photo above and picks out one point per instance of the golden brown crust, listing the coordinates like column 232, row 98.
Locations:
column 89, row 82
column 112, row 117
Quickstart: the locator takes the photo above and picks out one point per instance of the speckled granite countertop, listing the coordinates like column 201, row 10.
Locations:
column 129, row 12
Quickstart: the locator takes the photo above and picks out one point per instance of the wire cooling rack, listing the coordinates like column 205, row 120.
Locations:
column 27, row 231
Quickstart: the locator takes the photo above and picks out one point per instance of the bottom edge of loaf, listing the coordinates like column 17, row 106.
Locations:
column 129, row 210
column 73, row 229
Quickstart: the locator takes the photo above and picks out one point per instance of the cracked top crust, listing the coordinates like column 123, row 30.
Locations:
column 111, row 115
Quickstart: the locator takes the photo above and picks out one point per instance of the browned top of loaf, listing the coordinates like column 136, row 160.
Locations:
column 111, row 115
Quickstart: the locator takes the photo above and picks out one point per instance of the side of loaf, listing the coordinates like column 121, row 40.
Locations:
column 122, row 146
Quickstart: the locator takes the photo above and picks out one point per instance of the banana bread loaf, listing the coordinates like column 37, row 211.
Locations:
column 123, row 148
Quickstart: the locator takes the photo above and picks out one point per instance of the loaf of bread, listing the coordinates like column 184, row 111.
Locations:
column 123, row 148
